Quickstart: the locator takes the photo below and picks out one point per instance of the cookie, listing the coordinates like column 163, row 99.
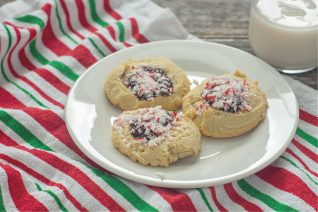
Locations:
column 147, row 83
column 226, row 106
column 155, row 137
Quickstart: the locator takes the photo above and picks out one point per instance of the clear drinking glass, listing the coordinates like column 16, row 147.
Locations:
column 284, row 33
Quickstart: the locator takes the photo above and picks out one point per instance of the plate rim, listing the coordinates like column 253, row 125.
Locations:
column 178, row 183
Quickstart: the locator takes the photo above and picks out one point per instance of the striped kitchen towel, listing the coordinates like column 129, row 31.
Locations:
column 45, row 46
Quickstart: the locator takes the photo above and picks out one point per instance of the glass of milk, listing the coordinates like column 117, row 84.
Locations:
column 284, row 33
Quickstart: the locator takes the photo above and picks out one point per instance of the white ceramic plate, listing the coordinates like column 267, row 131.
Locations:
column 89, row 115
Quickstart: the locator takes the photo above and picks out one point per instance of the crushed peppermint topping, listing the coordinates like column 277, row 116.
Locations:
column 225, row 93
column 148, row 126
column 147, row 82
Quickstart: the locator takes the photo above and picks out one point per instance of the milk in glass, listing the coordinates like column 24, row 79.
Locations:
column 284, row 33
